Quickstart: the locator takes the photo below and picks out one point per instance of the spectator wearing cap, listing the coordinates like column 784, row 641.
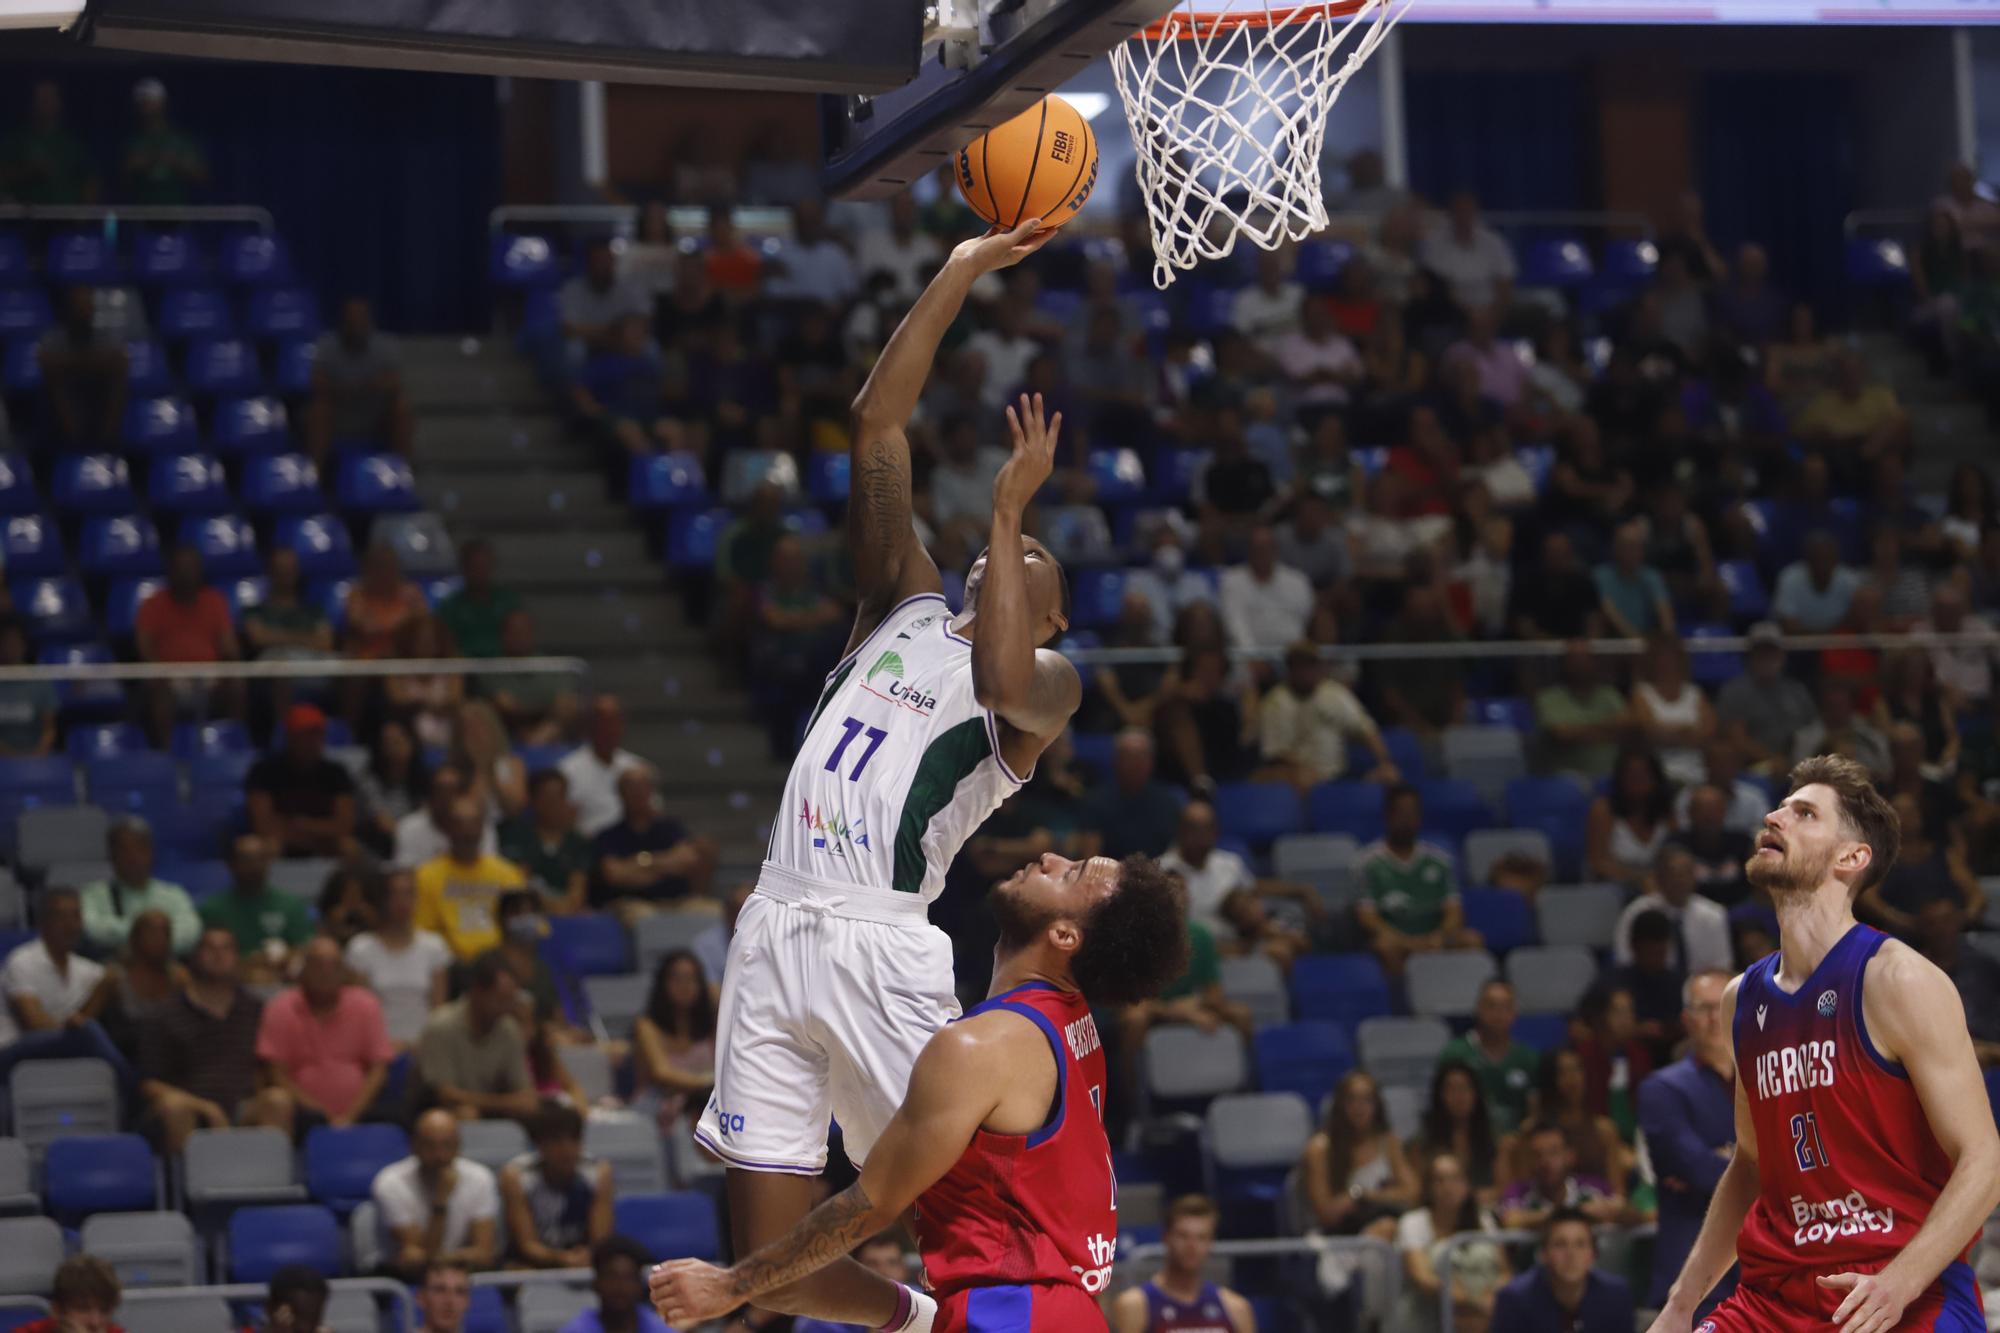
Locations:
column 458, row 891
column 298, row 799
column 186, row 622
column 357, row 387
column 425, row 833
column 472, row 1059
column 543, row 840
column 159, row 164
column 1565, row 1290
column 1306, row 722
column 436, row 1205
column 110, row 905
column 1687, row 1111
column 1762, row 710
column 647, row 861
column 27, row 707
column 323, row 1042
column 83, row 1298
column 268, row 923
column 593, row 768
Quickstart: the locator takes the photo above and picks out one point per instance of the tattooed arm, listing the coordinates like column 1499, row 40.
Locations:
column 992, row 1070
column 889, row 563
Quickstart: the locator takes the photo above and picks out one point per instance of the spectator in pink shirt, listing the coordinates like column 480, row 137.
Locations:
column 323, row 1042
column 1318, row 359
column 1502, row 377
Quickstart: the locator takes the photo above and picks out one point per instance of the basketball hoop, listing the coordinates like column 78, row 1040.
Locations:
column 1228, row 113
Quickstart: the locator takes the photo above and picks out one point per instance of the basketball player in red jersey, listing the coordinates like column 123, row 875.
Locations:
column 1000, row 1141
column 1866, row 1159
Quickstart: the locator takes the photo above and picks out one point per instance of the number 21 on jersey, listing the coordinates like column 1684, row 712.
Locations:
column 855, row 727
column 1805, row 1142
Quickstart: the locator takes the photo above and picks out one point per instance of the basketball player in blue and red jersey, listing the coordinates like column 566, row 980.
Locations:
column 999, row 1142
column 1179, row 1299
column 1866, row 1159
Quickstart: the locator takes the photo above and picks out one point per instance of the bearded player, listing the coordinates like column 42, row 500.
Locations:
column 1000, row 1144
column 1866, row 1159
column 836, row 977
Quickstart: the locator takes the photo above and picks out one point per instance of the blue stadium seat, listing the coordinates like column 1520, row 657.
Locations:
column 1341, row 988
column 122, row 603
column 83, row 701
column 1304, row 1057
column 1630, row 262
column 93, row 484
column 1209, row 308
column 523, row 261
column 55, row 608
column 123, row 547
column 195, row 312
column 670, row 1226
column 1877, row 261
column 167, row 259
column 245, row 592
column 321, row 542
column 282, row 312
column 161, row 426
column 1544, row 1032
column 193, row 830
column 1259, row 812
column 105, row 741
column 805, row 522
column 1320, row 263
column 30, row 547
column 189, row 484
column 593, row 944
column 100, row 1173
column 828, row 476
column 147, row 780
column 14, row 264
column 251, row 426
column 1098, row 594
column 282, row 484
column 486, row 1312
column 263, row 1240
column 18, row 493
column 330, row 596
column 1353, row 808
column 541, row 316
column 692, row 535
column 50, row 777
column 1558, row 261
column 218, row 367
column 341, row 1164
column 228, row 545
column 1174, row 471
column 1501, row 916
column 82, row 258
column 1556, row 806
column 1711, row 670
column 1747, row 598
column 205, row 740
column 223, row 771
column 1120, row 476
column 146, row 370
column 1507, row 711
column 1404, row 749
column 295, row 365
column 201, row 878
column 1453, row 807
column 21, row 370
column 255, row 260
column 376, row 484
column 24, row 312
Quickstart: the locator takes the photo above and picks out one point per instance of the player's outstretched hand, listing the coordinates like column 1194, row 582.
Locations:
column 1001, row 248
column 1874, row 1301
column 1034, row 456
column 1671, row 1320
column 687, row 1292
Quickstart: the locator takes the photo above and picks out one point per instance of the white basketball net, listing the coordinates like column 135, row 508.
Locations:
column 1229, row 120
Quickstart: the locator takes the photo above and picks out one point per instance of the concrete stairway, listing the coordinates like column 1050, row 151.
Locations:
column 496, row 462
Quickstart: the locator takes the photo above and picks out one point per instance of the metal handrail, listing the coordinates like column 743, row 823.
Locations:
column 1487, row 649
column 1511, row 1236
column 1880, row 219
column 398, row 1294
column 219, row 213
column 308, row 669
column 753, row 218
column 533, row 1277
column 23, row 1301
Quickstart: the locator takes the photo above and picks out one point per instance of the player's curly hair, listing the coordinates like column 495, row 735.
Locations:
column 1135, row 941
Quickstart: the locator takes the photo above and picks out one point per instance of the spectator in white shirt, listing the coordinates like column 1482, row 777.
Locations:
column 593, row 768
column 403, row 965
column 812, row 266
column 1005, row 349
column 1166, row 583
column 1318, row 359
column 1473, row 260
column 1702, row 925
column 422, row 834
column 1966, row 671
column 49, row 987
column 1265, row 604
column 1270, row 308
column 1212, row 873
column 907, row 255
column 435, row 1205
column 1306, row 721
column 591, row 303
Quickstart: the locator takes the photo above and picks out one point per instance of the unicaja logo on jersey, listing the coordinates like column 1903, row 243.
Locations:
column 889, row 664
column 1102, row 1253
column 885, row 681
column 1828, row 1002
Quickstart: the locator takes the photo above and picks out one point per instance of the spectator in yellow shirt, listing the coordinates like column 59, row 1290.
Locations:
column 458, row 894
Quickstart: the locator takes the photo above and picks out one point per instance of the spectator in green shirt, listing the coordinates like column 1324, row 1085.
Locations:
column 1631, row 592
column 268, row 923
column 45, row 163
column 1506, row 1068
column 474, row 614
column 544, row 842
column 1580, row 718
column 111, row 905
column 1412, row 904
column 538, row 709
column 160, row 165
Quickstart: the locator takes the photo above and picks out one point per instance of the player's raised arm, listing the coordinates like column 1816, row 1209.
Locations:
column 889, row 563
column 1032, row 691
column 957, row 1082
column 1916, row 1018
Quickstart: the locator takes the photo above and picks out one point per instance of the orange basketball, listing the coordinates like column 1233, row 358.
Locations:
column 1041, row 164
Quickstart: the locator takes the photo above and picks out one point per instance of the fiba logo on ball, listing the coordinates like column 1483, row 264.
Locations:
column 1828, row 1002
column 1062, row 146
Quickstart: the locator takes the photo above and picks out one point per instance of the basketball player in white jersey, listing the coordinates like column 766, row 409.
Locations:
column 836, row 979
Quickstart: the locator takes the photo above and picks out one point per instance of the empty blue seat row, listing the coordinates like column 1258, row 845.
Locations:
column 91, row 258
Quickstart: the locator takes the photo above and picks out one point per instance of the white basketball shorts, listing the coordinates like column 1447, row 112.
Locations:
column 829, row 996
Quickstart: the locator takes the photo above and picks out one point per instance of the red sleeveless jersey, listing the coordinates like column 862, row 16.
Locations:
column 1032, row 1208
column 1846, row 1162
